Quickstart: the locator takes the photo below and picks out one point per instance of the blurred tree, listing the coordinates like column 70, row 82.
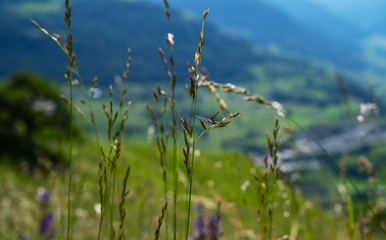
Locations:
column 34, row 121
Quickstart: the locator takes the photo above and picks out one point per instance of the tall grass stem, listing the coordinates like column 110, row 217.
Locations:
column 70, row 167
column 197, row 77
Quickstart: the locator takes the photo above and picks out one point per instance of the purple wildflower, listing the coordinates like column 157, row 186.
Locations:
column 207, row 226
column 197, row 207
column 215, row 228
column 46, row 223
column 199, row 224
column 44, row 198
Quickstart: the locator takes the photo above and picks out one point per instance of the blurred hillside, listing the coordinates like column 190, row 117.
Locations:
column 104, row 30
column 345, row 34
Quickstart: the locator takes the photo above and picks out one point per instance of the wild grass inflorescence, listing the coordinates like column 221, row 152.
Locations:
column 68, row 49
column 113, row 203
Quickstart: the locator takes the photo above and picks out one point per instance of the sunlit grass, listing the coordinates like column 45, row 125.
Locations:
column 255, row 202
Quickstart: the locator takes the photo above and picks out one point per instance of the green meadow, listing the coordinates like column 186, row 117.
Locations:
column 169, row 150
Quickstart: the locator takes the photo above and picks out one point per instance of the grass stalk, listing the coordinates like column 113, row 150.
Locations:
column 122, row 209
column 175, row 144
column 70, row 169
column 112, row 171
column 112, row 234
column 175, row 186
column 160, row 220
column 71, row 57
column 174, row 128
column 194, row 110
column 162, row 137
column 174, row 131
column 102, row 197
column 351, row 218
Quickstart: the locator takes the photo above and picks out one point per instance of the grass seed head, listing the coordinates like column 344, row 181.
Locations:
column 192, row 89
column 206, row 13
column 203, row 125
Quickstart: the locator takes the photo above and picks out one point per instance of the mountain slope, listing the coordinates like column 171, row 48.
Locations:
column 353, row 23
column 103, row 30
column 311, row 32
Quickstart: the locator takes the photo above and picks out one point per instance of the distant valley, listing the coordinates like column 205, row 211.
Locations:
column 103, row 30
column 345, row 35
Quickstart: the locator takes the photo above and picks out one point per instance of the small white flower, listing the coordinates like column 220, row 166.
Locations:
column 245, row 185
column 365, row 109
column 98, row 208
column 279, row 108
column 75, row 82
column 197, row 153
column 150, row 134
column 169, row 40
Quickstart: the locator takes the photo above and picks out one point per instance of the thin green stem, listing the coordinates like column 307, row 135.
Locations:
column 68, row 49
column 165, row 194
column 175, row 188
column 100, row 221
column 174, row 135
column 192, row 164
column 70, row 164
column 103, row 207
column 193, row 125
column 175, row 145
column 198, row 138
column 175, row 155
column 112, row 203
column 270, row 215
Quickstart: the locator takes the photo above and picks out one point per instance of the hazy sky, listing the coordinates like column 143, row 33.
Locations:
column 363, row 13
column 345, row 5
